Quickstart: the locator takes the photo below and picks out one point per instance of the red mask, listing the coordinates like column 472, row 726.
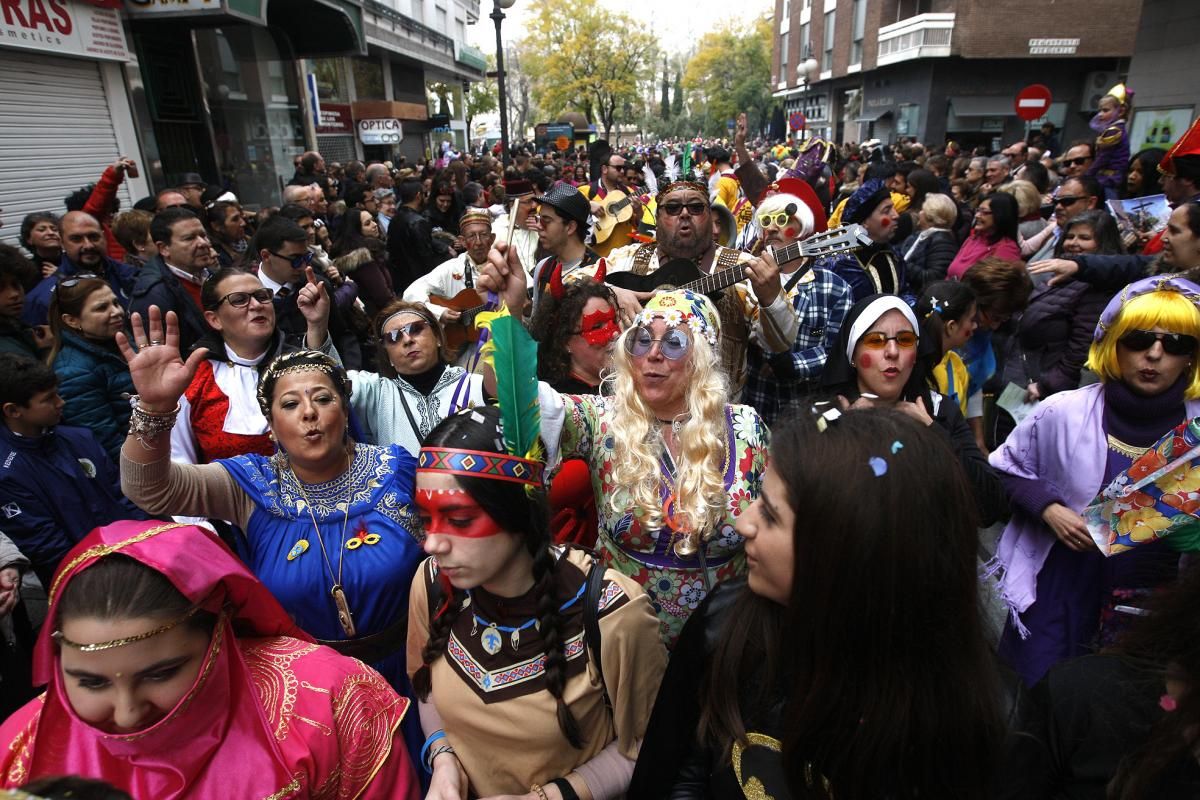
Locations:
column 452, row 512
column 599, row 327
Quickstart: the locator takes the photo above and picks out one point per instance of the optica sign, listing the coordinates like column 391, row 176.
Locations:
column 380, row 131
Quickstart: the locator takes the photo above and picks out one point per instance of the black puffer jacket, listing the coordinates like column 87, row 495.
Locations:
column 1054, row 335
column 930, row 260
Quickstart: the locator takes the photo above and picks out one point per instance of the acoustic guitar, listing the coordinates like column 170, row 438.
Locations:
column 682, row 274
column 461, row 333
column 618, row 208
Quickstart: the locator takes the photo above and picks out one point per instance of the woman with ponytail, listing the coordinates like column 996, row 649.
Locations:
column 518, row 698
column 947, row 311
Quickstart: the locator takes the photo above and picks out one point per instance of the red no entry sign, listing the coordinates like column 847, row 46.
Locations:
column 1032, row 102
column 796, row 121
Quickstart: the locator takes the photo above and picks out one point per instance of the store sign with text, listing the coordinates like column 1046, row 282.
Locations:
column 63, row 28
column 335, row 118
column 380, row 131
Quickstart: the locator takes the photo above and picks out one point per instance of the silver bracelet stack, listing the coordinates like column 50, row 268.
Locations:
column 145, row 425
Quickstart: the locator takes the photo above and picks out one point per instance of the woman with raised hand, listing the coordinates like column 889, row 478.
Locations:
column 327, row 522
column 537, row 667
column 174, row 674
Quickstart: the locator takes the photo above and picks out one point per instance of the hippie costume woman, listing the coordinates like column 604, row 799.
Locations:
column 537, row 666
column 269, row 712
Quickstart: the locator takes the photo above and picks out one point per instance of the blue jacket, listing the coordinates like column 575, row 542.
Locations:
column 158, row 286
column 95, row 383
column 120, row 277
column 54, row 489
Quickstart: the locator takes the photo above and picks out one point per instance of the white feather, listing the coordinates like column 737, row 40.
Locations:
column 651, row 179
column 671, row 172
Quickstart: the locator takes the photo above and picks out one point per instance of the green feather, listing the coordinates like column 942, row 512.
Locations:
column 514, row 360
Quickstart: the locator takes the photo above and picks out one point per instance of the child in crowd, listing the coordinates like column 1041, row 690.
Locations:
column 947, row 310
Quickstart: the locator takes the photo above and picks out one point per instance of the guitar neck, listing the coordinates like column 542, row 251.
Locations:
column 717, row 281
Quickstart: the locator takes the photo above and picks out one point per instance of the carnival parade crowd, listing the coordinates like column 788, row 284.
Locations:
column 660, row 471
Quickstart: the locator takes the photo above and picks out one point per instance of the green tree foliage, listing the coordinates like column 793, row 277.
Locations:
column 592, row 60
column 480, row 100
column 677, row 105
column 664, row 107
column 731, row 73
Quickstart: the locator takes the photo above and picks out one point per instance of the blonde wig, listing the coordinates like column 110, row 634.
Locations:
column 700, row 492
column 1166, row 309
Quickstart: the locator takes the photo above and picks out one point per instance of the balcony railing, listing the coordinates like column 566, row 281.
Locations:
column 414, row 29
column 922, row 36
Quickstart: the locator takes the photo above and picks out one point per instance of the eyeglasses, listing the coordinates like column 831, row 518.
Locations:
column 74, row 280
column 1176, row 344
column 1075, row 162
column 242, row 299
column 778, row 219
column 298, row 262
column 695, row 208
column 412, row 329
column 1066, row 201
column 877, row 340
column 673, row 345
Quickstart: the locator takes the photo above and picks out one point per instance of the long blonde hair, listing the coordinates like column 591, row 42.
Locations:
column 700, row 494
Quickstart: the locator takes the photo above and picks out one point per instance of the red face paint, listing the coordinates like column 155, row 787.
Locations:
column 452, row 512
column 789, row 232
column 599, row 328
column 886, row 222
column 865, row 360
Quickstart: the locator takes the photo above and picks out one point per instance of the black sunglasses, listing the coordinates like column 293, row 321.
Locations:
column 1176, row 344
column 1066, row 201
column 413, row 329
column 242, row 299
column 298, row 262
column 695, row 208
column 1075, row 162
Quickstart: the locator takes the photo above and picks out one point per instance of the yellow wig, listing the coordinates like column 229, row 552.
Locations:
column 1168, row 310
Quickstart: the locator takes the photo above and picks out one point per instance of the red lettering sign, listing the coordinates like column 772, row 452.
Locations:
column 32, row 14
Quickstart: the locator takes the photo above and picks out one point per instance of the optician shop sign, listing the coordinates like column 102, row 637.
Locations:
column 380, row 131
column 63, row 28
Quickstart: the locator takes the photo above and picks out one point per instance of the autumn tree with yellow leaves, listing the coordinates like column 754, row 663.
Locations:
column 585, row 57
column 730, row 73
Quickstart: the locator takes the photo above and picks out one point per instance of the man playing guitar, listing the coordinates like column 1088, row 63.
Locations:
column 611, row 178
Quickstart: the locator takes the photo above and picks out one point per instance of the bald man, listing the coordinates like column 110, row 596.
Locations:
column 84, row 251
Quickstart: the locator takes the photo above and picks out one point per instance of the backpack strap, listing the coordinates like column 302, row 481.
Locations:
column 591, row 622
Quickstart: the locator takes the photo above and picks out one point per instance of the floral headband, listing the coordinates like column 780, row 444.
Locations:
column 1157, row 283
column 683, row 307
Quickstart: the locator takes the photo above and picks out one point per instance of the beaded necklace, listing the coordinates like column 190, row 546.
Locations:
column 491, row 639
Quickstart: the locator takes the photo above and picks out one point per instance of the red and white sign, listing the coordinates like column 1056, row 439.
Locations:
column 335, row 118
column 63, row 28
column 1032, row 102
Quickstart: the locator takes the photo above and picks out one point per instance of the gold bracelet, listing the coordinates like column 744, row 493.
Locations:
column 539, row 791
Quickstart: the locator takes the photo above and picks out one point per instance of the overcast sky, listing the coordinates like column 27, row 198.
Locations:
column 679, row 24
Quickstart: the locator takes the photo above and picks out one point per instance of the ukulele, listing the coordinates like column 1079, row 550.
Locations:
column 460, row 333
column 682, row 274
column 618, row 208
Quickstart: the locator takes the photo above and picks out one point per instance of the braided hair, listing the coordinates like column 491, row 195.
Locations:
column 525, row 515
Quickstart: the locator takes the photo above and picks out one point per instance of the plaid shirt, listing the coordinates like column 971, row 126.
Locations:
column 776, row 382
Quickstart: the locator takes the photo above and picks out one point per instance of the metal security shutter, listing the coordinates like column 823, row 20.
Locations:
column 56, row 134
column 336, row 148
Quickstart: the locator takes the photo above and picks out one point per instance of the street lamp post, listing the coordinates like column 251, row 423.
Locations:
column 805, row 71
column 497, row 16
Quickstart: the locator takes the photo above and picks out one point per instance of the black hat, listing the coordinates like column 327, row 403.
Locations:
column 192, row 179
column 569, row 201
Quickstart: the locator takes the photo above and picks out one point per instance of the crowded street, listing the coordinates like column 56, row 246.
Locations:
column 579, row 401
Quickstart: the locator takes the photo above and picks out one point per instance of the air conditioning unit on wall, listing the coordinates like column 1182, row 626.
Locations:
column 1094, row 87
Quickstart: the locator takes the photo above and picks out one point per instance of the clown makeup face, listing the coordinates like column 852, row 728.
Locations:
column 885, row 371
column 470, row 547
column 591, row 347
column 881, row 224
column 781, row 228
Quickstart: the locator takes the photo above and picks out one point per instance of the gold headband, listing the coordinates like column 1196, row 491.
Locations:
column 95, row 648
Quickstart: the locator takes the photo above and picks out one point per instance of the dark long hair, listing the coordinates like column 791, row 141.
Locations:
column 879, row 658
column 351, row 236
column 1005, row 216
column 1151, row 178
column 1168, row 635
column 925, row 183
column 1104, row 229
column 525, row 515
column 118, row 587
column 952, row 300
column 555, row 321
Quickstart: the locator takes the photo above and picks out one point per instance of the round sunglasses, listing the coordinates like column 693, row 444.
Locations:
column 1176, row 344
column 673, row 345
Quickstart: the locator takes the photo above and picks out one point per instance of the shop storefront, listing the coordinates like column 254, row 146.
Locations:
column 223, row 96
column 64, row 109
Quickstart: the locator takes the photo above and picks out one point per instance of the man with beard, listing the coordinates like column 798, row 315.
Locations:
column 757, row 304
column 172, row 279
column 84, row 251
column 609, row 176
column 775, row 382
